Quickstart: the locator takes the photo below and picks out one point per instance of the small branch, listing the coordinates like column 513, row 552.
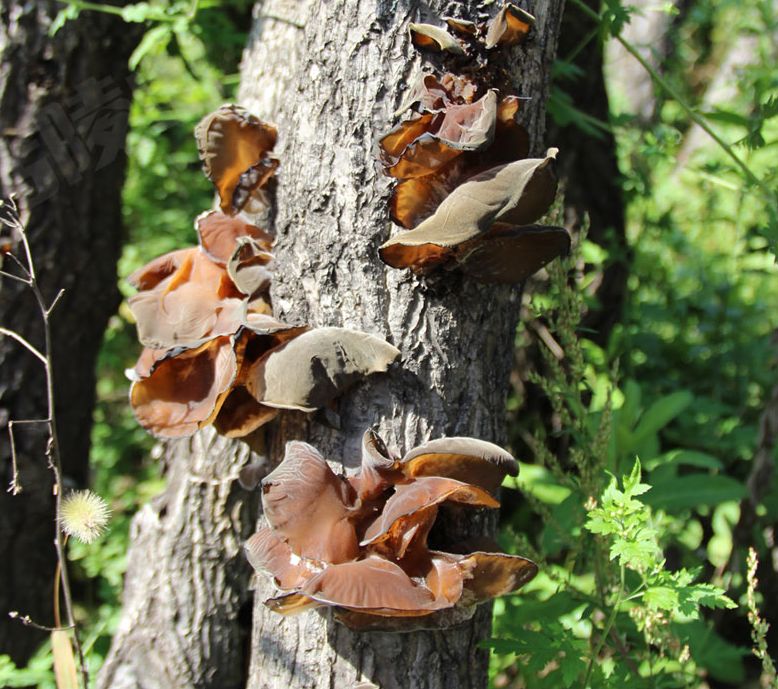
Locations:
column 52, row 448
column 28, row 622
column 11, row 276
column 16, row 336
column 55, row 302
column 15, row 487
column 21, row 266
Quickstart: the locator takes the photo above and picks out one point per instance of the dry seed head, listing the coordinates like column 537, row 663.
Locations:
column 84, row 515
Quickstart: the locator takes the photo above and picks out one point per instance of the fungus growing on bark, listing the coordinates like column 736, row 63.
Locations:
column 509, row 27
column 234, row 147
column 483, row 226
column 434, row 38
column 309, row 371
column 218, row 234
column 213, row 354
column 359, row 543
column 450, row 138
column 183, row 392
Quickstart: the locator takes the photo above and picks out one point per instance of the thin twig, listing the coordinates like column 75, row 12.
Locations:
column 52, row 448
column 54, row 302
column 16, row 336
column 27, row 621
column 15, row 487
column 11, row 276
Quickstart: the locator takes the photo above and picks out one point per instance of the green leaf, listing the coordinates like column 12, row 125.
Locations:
column 138, row 12
column 63, row 16
column 153, row 40
column 723, row 660
column 659, row 414
column 694, row 490
column 690, row 458
column 660, row 598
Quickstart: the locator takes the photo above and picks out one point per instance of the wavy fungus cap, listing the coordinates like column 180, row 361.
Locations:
column 234, row 147
column 359, row 543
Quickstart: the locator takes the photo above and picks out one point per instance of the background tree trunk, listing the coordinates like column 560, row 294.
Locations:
column 64, row 103
column 331, row 74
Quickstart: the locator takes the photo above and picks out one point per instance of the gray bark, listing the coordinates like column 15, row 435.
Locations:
column 186, row 578
column 64, row 103
column 330, row 74
column 455, row 335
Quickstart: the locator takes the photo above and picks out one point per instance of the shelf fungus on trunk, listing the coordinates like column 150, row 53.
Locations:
column 358, row 543
column 449, row 138
column 214, row 354
column 508, row 27
column 234, row 147
column 484, row 227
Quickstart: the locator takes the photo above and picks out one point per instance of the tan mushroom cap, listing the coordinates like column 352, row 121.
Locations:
column 250, row 267
column 377, row 472
column 193, row 304
column 461, row 26
column 434, row 38
column 419, row 495
column 428, row 94
column 513, row 254
column 517, row 193
column 218, row 234
column 266, row 552
column 423, row 156
column 311, row 370
column 233, row 146
column 509, row 27
column 394, row 143
column 470, row 127
column 375, row 585
column 292, row 604
column 184, row 392
column 308, row 506
column 149, row 276
column 468, row 460
column 491, row 575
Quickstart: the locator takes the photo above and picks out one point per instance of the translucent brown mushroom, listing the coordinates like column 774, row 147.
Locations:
column 358, row 543
column 234, row 147
column 509, row 26
column 484, row 226
column 452, row 137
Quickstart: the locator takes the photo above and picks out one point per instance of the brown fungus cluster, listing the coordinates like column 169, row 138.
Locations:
column 465, row 188
column 358, row 543
column 213, row 351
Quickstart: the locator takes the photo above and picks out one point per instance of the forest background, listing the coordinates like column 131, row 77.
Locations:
column 666, row 350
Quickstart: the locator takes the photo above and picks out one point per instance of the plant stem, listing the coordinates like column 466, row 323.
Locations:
column 56, row 466
column 52, row 449
column 606, row 630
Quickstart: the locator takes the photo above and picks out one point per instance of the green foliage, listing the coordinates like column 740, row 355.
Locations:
column 607, row 610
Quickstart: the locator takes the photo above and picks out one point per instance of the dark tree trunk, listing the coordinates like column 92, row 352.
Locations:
column 331, row 74
column 590, row 173
column 64, row 103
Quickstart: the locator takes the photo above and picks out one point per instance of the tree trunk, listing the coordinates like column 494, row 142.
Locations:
column 331, row 74
column 590, row 174
column 64, row 103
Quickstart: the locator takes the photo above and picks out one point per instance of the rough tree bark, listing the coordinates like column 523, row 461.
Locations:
column 331, row 74
column 64, row 102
